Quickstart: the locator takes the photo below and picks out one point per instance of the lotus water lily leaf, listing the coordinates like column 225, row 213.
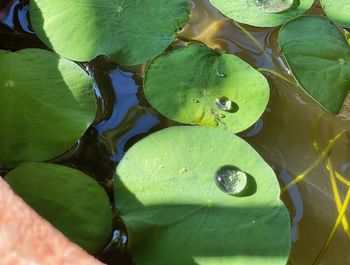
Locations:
column 129, row 31
column 319, row 57
column 47, row 103
column 166, row 192
column 262, row 13
column 338, row 11
column 70, row 200
column 197, row 85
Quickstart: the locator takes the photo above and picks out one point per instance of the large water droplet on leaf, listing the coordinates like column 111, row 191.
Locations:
column 225, row 104
column 231, row 180
column 275, row 6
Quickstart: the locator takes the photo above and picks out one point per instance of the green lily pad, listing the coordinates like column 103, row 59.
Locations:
column 130, row 32
column 63, row 196
column 197, row 85
column 338, row 11
column 319, row 57
column 166, row 193
column 47, row 103
column 262, row 13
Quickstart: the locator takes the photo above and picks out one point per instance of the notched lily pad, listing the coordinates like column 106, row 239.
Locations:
column 262, row 13
column 47, row 103
column 130, row 32
column 338, row 11
column 197, row 85
column 319, row 57
column 166, row 192
column 63, row 196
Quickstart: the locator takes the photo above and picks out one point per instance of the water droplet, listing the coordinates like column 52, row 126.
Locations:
column 210, row 204
column 341, row 61
column 274, row 6
column 219, row 74
column 220, row 116
column 195, row 100
column 183, row 170
column 231, row 180
column 120, row 9
column 224, row 103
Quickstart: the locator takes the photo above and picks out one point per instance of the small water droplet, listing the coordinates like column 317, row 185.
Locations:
column 221, row 116
column 274, row 6
column 224, row 103
column 341, row 61
column 211, row 149
column 219, row 74
column 183, row 170
column 120, row 9
column 195, row 100
column 231, row 180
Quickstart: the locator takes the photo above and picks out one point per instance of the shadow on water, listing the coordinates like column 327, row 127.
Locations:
column 188, row 233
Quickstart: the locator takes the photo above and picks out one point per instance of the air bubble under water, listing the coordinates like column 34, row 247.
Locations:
column 231, row 180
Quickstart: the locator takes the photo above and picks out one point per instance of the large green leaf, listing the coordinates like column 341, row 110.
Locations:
column 70, row 200
column 187, row 85
column 129, row 31
column 47, row 102
column 319, row 57
column 262, row 13
column 175, row 214
column 338, row 11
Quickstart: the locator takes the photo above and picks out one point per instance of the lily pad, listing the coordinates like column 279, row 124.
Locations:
column 47, row 103
column 62, row 195
column 262, row 13
column 338, row 11
column 174, row 212
column 130, row 32
column 197, row 85
column 319, row 57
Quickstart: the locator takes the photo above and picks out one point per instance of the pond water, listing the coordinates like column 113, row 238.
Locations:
column 285, row 135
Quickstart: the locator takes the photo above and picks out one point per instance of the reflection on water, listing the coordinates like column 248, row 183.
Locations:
column 283, row 135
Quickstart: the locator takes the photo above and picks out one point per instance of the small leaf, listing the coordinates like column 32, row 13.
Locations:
column 70, row 200
column 196, row 85
column 47, row 103
column 167, row 194
column 338, row 11
column 262, row 13
column 319, row 57
column 130, row 32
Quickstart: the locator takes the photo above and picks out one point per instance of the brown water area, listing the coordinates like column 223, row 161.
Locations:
column 288, row 134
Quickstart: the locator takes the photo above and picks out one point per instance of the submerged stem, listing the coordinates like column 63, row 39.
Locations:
column 335, row 227
column 275, row 73
column 250, row 36
column 319, row 159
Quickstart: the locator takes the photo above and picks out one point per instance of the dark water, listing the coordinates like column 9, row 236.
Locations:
column 283, row 135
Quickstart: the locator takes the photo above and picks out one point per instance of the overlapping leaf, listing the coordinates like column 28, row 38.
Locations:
column 175, row 214
column 195, row 85
column 47, row 103
column 130, row 32
column 70, row 200
column 319, row 57
column 338, row 11
column 262, row 13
